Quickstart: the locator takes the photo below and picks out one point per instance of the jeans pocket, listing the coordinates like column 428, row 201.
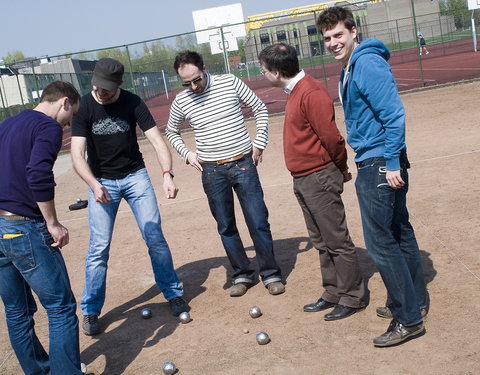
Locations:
column 19, row 250
column 385, row 192
column 47, row 238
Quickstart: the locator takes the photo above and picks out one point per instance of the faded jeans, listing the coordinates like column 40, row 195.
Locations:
column 390, row 238
column 138, row 191
column 28, row 262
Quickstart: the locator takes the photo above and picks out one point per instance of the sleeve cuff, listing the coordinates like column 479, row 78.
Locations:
column 393, row 164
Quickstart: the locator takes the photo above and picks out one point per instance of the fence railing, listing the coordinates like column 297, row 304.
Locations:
column 149, row 64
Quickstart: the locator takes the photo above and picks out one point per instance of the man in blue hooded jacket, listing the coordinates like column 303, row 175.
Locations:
column 375, row 120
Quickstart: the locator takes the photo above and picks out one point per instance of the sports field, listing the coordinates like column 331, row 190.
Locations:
column 443, row 137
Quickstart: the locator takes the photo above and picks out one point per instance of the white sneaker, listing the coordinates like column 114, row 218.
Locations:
column 83, row 368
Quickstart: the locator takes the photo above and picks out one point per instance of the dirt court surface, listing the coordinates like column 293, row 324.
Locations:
column 443, row 137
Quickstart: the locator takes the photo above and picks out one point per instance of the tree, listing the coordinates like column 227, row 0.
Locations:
column 14, row 56
column 458, row 9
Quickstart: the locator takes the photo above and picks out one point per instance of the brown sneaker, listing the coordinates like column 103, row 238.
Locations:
column 385, row 312
column 275, row 288
column 398, row 333
column 239, row 289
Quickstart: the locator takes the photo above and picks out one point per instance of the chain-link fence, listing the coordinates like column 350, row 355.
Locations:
column 149, row 64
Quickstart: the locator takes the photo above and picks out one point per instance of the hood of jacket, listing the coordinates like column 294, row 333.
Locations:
column 373, row 46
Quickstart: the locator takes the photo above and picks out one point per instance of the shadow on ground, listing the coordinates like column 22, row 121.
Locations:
column 132, row 337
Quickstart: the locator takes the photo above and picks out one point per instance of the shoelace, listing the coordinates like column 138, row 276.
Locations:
column 90, row 319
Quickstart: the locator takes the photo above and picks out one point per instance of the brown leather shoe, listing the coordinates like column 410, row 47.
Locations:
column 275, row 288
column 398, row 333
column 239, row 289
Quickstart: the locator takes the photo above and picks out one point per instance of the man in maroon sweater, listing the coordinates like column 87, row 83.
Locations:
column 316, row 157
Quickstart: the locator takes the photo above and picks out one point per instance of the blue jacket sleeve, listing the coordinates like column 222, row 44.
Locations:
column 380, row 90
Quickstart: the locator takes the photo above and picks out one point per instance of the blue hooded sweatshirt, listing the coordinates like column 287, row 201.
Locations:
column 374, row 114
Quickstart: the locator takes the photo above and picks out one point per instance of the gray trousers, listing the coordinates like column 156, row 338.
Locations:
column 319, row 196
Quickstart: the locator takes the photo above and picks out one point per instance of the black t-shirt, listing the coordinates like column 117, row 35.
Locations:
column 110, row 130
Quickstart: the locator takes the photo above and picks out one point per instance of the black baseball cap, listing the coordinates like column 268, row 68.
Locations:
column 108, row 74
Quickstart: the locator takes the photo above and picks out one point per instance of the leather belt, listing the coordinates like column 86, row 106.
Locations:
column 223, row 161
column 10, row 216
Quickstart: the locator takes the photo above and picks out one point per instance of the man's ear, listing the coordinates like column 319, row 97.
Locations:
column 354, row 31
column 65, row 103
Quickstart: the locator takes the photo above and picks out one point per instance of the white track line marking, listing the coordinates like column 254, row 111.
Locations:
column 450, row 251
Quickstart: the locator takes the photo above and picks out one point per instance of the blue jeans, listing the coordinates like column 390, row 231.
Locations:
column 390, row 238
column 28, row 262
column 138, row 191
column 219, row 181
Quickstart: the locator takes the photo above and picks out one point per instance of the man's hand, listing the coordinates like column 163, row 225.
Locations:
column 256, row 155
column 394, row 179
column 101, row 194
column 347, row 176
column 193, row 161
column 59, row 234
column 169, row 186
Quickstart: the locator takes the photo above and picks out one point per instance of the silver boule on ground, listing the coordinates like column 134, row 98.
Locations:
column 255, row 312
column 146, row 313
column 185, row 317
column 262, row 338
column 169, row 368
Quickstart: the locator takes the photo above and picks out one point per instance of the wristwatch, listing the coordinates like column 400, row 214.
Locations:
column 170, row 172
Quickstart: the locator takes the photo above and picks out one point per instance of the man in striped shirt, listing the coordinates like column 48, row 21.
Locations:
column 227, row 159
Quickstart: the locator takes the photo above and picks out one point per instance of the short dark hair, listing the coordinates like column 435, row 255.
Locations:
column 282, row 58
column 330, row 17
column 188, row 57
column 59, row 89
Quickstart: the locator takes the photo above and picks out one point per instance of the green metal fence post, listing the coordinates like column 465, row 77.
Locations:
column 417, row 42
column 225, row 53
column 35, row 78
column 399, row 40
column 325, row 82
column 20, row 91
column 131, row 70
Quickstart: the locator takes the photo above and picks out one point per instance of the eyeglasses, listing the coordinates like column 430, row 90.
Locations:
column 195, row 81
column 263, row 72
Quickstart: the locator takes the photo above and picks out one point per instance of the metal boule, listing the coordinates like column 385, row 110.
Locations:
column 185, row 317
column 255, row 312
column 262, row 338
column 169, row 368
column 146, row 313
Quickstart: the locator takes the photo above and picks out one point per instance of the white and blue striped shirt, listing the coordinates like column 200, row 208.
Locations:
column 217, row 120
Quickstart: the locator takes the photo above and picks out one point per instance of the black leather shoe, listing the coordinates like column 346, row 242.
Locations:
column 340, row 312
column 320, row 305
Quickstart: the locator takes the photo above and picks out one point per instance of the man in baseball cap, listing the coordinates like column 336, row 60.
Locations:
column 108, row 74
column 114, row 170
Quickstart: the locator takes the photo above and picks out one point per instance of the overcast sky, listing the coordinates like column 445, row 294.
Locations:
column 54, row 27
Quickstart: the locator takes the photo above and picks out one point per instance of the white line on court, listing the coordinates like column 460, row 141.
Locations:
column 446, row 156
column 450, row 251
column 266, row 186
column 437, row 69
column 415, row 79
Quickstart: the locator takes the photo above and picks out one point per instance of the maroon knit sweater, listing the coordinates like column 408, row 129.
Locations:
column 311, row 139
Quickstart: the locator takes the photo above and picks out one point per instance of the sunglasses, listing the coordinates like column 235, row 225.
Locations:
column 195, row 80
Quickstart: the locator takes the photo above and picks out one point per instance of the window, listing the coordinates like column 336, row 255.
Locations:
column 295, row 33
column 264, row 38
column 312, row 30
column 281, row 36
